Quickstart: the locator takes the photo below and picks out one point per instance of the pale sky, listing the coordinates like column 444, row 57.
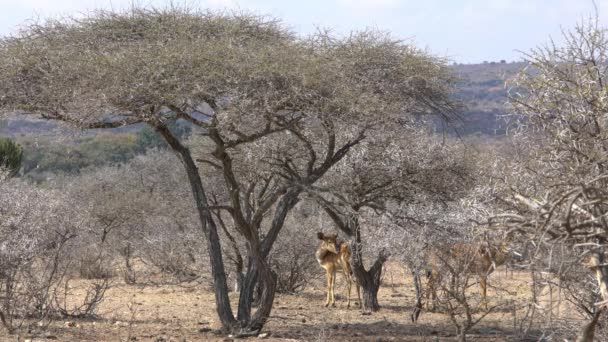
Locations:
column 469, row 31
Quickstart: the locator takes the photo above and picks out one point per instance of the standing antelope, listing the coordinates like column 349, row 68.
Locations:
column 477, row 258
column 331, row 255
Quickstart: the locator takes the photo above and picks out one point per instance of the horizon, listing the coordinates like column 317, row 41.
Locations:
column 479, row 31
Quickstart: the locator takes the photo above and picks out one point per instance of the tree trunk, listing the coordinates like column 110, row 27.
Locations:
column 368, row 280
column 268, row 288
column 247, row 292
column 207, row 226
column 263, row 293
column 250, row 281
column 238, row 259
column 238, row 282
column 289, row 200
column 370, row 297
column 587, row 333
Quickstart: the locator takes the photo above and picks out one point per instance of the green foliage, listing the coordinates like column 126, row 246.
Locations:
column 148, row 138
column 46, row 156
column 11, row 155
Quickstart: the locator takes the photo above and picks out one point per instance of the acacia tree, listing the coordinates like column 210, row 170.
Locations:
column 247, row 83
column 556, row 190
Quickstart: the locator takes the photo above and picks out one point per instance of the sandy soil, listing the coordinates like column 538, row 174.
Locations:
column 187, row 313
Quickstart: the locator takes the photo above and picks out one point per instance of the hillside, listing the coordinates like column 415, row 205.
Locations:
column 483, row 92
column 52, row 147
column 481, row 89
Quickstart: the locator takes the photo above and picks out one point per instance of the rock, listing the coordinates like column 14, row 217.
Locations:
column 263, row 335
column 69, row 324
column 303, row 320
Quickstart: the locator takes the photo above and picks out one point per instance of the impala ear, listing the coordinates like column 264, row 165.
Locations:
column 320, row 235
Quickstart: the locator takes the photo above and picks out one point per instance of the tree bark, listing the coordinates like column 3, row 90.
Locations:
column 286, row 203
column 207, row 226
column 238, row 259
column 268, row 286
column 247, row 292
column 587, row 333
column 368, row 280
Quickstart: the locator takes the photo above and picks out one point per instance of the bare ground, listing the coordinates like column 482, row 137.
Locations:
column 186, row 312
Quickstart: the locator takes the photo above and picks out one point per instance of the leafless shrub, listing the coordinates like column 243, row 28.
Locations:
column 171, row 256
column 552, row 188
column 39, row 230
column 454, row 269
column 293, row 260
column 94, row 263
column 86, row 306
column 133, row 218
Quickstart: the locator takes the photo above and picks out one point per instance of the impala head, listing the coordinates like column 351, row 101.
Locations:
column 500, row 250
column 328, row 242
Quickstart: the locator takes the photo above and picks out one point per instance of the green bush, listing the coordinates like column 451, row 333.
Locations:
column 148, row 138
column 11, row 155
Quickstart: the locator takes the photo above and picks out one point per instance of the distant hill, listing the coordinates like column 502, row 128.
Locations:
column 19, row 125
column 482, row 90
column 13, row 126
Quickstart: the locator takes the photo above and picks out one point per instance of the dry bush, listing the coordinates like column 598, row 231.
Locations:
column 134, row 218
column 454, row 269
column 553, row 186
column 293, row 260
column 94, row 294
column 41, row 234
column 94, row 263
column 175, row 255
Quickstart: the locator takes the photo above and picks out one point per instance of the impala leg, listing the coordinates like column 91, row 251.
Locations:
column 350, row 284
column 431, row 297
column 333, row 290
column 328, row 277
column 483, row 283
column 431, row 292
column 358, row 293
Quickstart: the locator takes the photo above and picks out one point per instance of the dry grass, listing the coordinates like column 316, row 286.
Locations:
column 187, row 313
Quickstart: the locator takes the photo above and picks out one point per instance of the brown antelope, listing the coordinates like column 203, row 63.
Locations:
column 477, row 258
column 333, row 255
